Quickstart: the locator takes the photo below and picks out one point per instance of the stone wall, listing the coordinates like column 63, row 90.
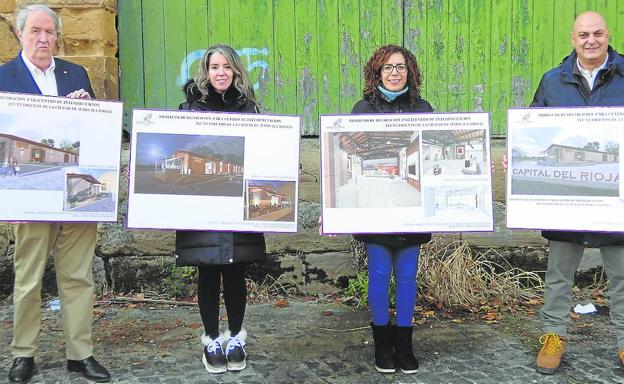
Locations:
column 88, row 38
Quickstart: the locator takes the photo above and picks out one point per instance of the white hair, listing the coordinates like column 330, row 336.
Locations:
column 24, row 12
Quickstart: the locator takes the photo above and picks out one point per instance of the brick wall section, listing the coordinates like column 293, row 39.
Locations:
column 88, row 38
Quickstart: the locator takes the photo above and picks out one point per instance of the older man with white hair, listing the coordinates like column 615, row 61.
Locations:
column 36, row 71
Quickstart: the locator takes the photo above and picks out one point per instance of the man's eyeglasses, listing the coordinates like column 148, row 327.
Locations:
column 388, row 68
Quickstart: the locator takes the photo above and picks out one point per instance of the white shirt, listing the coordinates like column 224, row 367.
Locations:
column 590, row 76
column 46, row 80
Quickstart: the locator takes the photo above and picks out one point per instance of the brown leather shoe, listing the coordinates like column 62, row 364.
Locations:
column 621, row 354
column 549, row 357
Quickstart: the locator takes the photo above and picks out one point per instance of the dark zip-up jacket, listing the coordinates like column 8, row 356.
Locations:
column 231, row 101
column 565, row 86
column 213, row 247
column 401, row 104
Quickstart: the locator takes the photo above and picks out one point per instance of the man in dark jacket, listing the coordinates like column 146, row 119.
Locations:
column 593, row 75
column 36, row 71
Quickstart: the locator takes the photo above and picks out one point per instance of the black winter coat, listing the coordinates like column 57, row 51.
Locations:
column 213, row 247
column 401, row 104
column 564, row 86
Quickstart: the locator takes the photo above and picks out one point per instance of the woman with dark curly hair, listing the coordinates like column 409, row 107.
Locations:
column 392, row 85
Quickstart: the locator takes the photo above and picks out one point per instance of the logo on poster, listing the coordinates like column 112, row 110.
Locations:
column 337, row 124
column 147, row 120
column 525, row 119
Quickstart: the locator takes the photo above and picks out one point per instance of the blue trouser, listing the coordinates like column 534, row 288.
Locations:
column 381, row 261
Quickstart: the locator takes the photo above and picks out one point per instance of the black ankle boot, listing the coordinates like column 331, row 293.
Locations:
column 405, row 359
column 384, row 354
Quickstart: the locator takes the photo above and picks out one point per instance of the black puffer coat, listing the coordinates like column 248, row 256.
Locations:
column 564, row 86
column 401, row 104
column 212, row 247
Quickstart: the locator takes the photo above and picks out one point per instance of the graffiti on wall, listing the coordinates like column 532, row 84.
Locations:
column 247, row 54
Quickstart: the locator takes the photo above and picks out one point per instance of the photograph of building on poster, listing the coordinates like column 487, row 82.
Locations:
column 90, row 190
column 372, row 169
column 270, row 200
column 555, row 161
column 454, row 152
column 465, row 203
column 36, row 161
column 205, row 165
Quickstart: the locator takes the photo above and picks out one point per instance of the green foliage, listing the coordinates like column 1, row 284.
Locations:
column 177, row 280
column 592, row 146
column 48, row 142
column 70, row 146
column 358, row 290
column 612, row 147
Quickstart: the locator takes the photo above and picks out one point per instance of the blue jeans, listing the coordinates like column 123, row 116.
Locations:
column 381, row 261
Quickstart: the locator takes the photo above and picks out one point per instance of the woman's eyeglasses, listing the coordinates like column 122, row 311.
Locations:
column 388, row 68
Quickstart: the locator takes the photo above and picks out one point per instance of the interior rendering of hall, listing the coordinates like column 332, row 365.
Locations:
column 372, row 169
column 454, row 152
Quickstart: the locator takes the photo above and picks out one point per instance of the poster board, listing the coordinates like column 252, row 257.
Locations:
column 404, row 173
column 564, row 168
column 213, row 171
column 59, row 158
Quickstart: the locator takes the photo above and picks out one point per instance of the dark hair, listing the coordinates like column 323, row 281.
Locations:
column 372, row 72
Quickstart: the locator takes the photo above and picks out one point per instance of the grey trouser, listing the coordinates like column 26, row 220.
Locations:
column 563, row 261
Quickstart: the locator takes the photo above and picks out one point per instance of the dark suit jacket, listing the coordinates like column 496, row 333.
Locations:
column 15, row 77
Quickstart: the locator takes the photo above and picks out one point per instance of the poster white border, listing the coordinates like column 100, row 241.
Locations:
column 563, row 168
column 430, row 194
column 261, row 151
column 34, row 174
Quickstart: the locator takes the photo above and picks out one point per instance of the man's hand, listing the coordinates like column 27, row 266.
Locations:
column 504, row 162
column 79, row 94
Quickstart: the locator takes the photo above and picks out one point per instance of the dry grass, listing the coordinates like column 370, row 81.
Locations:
column 599, row 282
column 452, row 276
column 271, row 288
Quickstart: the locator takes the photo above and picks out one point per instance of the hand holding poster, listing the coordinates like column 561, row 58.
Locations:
column 405, row 173
column 214, row 171
column 59, row 158
column 564, row 169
